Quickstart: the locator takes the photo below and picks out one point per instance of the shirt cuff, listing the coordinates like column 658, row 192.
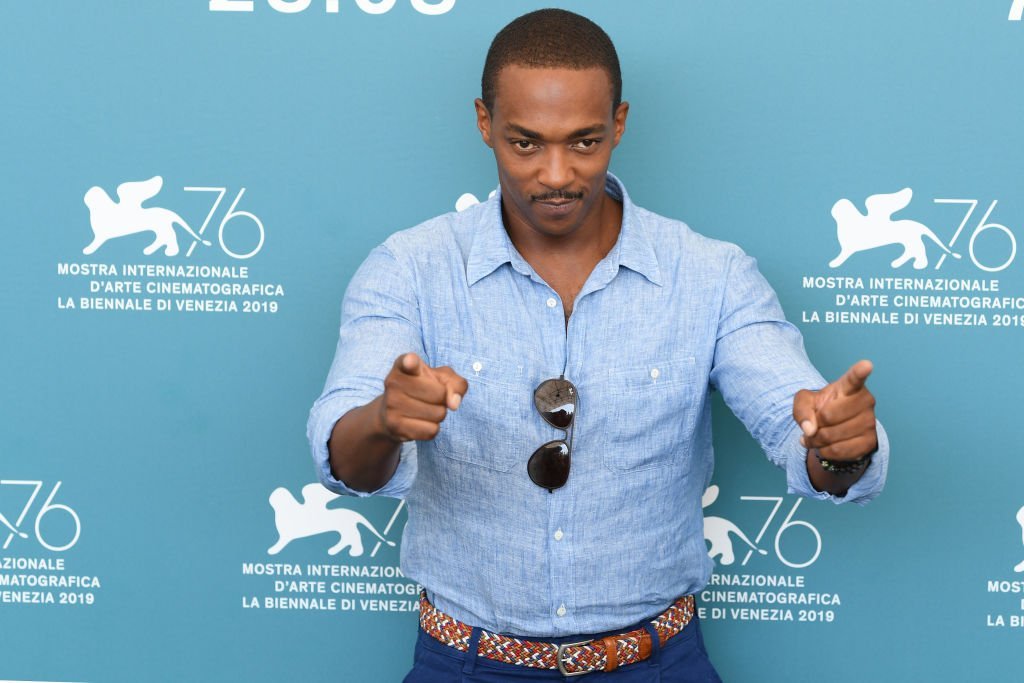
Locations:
column 321, row 423
column 863, row 491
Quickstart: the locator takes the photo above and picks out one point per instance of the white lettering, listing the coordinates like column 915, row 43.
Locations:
column 375, row 6
column 389, row 605
column 49, row 564
column 441, row 7
column 290, row 6
column 231, row 5
column 30, row 597
column 103, row 269
column 301, row 603
column 1006, row 587
column 747, row 614
column 270, row 569
column 431, row 8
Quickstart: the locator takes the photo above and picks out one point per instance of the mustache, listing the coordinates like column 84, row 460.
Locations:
column 556, row 194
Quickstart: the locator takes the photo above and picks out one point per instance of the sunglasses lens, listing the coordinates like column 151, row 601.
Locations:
column 556, row 402
column 549, row 465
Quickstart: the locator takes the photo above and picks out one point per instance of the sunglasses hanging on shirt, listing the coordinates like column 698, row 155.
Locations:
column 556, row 401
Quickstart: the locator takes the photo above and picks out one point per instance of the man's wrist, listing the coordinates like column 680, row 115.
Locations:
column 380, row 431
column 843, row 467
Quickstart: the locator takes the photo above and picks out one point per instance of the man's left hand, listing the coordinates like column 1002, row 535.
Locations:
column 839, row 420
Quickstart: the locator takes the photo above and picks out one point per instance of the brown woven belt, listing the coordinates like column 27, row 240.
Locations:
column 571, row 659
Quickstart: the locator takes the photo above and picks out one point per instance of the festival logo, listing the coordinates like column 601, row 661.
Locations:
column 303, row 575
column 859, row 232
column 166, row 279
column 764, row 593
column 1017, row 10
column 110, row 219
column 718, row 532
column 967, row 295
column 1005, row 600
column 55, row 526
column 718, row 529
column 35, row 565
column 312, row 517
column 468, row 199
column 1020, row 520
column 127, row 216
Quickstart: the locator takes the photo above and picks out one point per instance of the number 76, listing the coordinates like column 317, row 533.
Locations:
column 48, row 506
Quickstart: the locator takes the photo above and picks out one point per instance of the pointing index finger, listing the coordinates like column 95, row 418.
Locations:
column 853, row 379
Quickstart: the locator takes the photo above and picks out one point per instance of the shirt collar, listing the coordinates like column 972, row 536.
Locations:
column 492, row 247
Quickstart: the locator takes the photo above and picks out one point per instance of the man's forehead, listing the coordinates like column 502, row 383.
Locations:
column 523, row 88
column 522, row 74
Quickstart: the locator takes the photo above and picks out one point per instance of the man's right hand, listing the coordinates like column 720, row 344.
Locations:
column 417, row 398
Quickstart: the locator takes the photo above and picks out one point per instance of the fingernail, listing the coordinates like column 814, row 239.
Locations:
column 456, row 401
column 808, row 427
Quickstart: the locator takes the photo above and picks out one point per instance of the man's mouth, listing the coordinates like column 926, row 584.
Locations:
column 557, row 209
column 557, row 198
column 557, row 203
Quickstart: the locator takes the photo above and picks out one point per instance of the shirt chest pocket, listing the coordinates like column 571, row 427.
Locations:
column 648, row 412
column 491, row 428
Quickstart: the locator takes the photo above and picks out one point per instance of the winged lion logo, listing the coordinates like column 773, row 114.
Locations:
column 127, row 216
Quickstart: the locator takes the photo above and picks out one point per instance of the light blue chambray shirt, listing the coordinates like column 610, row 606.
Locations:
column 664, row 318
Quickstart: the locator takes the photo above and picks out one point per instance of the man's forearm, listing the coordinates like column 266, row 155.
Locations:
column 362, row 455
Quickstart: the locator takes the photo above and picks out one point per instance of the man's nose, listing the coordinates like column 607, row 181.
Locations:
column 556, row 172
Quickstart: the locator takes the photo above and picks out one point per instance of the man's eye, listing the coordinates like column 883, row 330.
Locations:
column 523, row 145
column 586, row 144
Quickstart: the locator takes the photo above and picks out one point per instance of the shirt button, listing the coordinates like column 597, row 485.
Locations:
column 560, row 611
column 552, row 303
column 478, row 366
column 559, row 535
column 654, row 373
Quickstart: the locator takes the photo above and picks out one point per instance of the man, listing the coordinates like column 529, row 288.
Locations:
column 532, row 375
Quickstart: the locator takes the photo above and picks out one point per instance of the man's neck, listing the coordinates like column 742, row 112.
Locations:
column 566, row 262
column 586, row 245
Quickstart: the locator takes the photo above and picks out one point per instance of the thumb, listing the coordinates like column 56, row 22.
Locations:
column 804, row 411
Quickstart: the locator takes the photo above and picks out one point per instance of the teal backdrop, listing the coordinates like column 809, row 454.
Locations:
column 152, row 437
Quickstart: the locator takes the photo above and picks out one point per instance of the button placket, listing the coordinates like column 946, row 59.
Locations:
column 559, row 547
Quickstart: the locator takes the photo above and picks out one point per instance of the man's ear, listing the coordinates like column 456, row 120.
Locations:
column 483, row 121
column 621, row 112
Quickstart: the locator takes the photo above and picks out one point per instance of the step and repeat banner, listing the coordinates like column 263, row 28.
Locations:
column 189, row 186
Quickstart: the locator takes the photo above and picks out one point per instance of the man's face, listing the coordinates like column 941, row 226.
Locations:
column 552, row 132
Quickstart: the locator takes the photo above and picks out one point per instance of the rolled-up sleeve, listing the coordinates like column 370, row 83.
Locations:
column 379, row 322
column 867, row 487
column 759, row 364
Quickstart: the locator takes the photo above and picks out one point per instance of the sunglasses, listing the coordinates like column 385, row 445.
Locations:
column 555, row 400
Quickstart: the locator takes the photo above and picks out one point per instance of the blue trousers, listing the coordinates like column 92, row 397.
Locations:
column 682, row 659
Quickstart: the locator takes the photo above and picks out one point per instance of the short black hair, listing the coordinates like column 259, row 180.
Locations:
column 551, row 38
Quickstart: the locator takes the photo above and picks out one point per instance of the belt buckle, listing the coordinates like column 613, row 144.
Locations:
column 560, row 659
